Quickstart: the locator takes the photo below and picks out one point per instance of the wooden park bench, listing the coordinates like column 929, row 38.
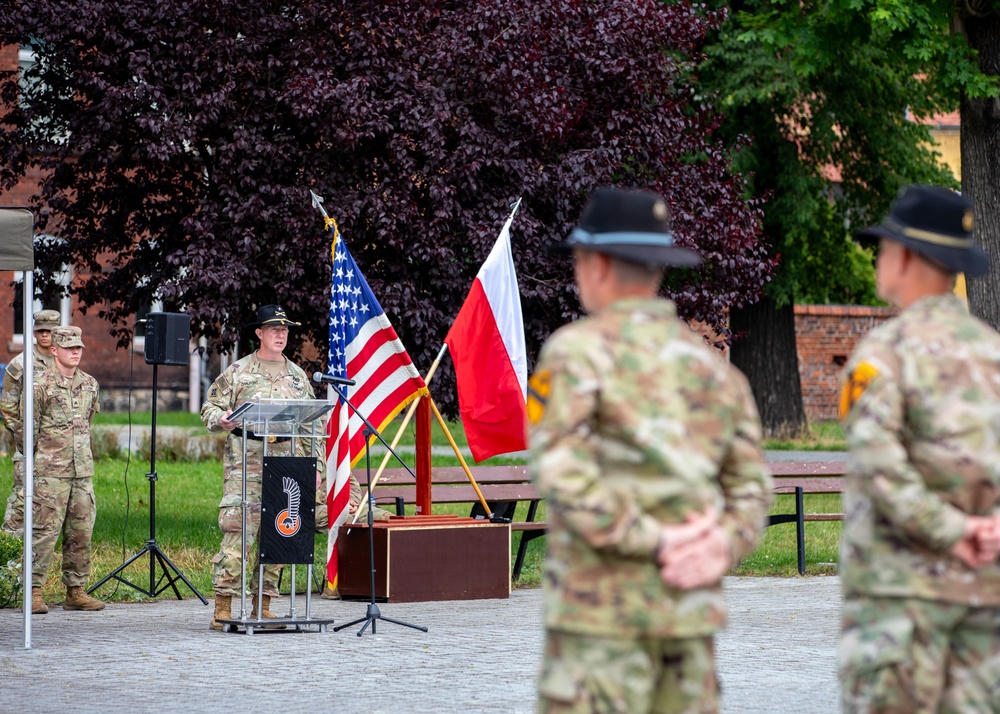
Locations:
column 799, row 478
column 504, row 487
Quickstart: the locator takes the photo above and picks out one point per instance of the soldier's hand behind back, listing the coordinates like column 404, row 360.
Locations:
column 698, row 564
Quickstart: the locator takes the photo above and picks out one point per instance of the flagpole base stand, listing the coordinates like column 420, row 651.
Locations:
column 250, row 626
column 372, row 616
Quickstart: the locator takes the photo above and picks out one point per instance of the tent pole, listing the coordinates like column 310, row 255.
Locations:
column 28, row 414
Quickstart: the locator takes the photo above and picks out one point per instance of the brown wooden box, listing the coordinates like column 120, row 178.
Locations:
column 426, row 558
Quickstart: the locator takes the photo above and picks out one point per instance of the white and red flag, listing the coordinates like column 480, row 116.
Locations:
column 491, row 364
column 363, row 347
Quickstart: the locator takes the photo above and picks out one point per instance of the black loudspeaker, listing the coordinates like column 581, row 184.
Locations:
column 167, row 338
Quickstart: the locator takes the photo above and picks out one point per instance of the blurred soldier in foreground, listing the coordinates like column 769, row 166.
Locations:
column 10, row 406
column 646, row 448
column 921, row 402
column 264, row 374
column 66, row 399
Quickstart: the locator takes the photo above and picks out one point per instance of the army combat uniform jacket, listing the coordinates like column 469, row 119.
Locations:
column 11, row 407
column 922, row 406
column 64, row 410
column 643, row 425
column 247, row 380
column 13, row 389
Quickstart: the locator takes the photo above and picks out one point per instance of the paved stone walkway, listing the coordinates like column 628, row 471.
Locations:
column 778, row 655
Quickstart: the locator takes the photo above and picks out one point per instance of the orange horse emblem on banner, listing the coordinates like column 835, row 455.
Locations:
column 288, row 521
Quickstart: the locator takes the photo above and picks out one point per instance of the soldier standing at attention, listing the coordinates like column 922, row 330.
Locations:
column 921, row 402
column 10, row 406
column 646, row 449
column 263, row 374
column 66, row 399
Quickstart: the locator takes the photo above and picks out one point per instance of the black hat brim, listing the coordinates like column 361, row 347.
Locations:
column 251, row 326
column 659, row 255
column 971, row 261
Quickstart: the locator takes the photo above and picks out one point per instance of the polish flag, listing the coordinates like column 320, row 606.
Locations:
column 491, row 364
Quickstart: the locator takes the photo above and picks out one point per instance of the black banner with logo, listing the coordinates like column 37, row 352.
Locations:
column 288, row 510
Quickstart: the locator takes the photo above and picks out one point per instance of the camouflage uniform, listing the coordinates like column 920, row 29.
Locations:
column 248, row 380
column 10, row 407
column 356, row 494
column 922, row 406
column 64, row 470
column 360, row 495
column 644, row 425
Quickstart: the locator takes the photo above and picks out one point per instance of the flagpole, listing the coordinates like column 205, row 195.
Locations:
column 406, row 420
column 444, row 425
column 318, row 203
column 461, row 460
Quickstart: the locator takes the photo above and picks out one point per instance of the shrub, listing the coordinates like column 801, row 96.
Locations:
column 10, row 569
column 184, row 447
column 104, row 444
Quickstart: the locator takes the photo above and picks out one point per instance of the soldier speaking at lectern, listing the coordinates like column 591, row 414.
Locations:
column 264, row 374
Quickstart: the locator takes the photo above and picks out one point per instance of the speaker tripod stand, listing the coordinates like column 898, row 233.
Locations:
column 170, row 572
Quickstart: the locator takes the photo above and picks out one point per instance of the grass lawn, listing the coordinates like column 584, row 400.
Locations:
column 188, row 493
column 822, row 436
column 146, row 418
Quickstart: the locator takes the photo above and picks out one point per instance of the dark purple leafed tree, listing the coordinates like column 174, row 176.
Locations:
column 179, row 142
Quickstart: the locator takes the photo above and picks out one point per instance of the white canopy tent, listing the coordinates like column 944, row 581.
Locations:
column 17, row 227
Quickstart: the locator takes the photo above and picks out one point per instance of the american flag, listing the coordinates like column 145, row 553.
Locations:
column 363, row 347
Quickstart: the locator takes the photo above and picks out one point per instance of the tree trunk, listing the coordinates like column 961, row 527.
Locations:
column 764, row 350
column 980, row 141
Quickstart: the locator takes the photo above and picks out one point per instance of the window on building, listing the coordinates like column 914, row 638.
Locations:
column 33, row 68
column 61, row 303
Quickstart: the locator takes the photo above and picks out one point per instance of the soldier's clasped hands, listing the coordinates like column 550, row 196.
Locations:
column 980, row 544
column 695, row 553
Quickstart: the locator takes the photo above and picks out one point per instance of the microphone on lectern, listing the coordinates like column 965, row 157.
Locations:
column 321, row 378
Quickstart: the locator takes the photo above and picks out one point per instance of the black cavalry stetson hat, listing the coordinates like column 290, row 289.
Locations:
column 629, row 225
column 937, row 223
column 271, row 315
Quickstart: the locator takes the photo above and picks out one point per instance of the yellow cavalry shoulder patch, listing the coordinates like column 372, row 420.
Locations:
column 855, row 385
column 539, row 387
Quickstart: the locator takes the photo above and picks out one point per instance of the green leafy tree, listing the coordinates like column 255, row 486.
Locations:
column 819, row 85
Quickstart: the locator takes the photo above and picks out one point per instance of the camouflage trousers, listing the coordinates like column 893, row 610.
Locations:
column 67, row 506
column 378, row 514
column 583, row 673
column 323, row 520
column 13, row 517
column 228, row 562
column 914, row 656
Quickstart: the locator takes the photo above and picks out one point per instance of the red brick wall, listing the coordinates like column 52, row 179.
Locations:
column 825, row 337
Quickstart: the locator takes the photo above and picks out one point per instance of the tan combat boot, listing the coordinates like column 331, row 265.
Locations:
column 265, row 612
column 330, row 593
column 38, row 606
column 223, row 611
column 78, row 599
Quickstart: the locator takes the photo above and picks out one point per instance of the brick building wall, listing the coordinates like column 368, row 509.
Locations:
column 102, row 358
column 825, row 336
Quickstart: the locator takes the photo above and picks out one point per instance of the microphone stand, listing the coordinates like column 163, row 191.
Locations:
column 373, row 614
